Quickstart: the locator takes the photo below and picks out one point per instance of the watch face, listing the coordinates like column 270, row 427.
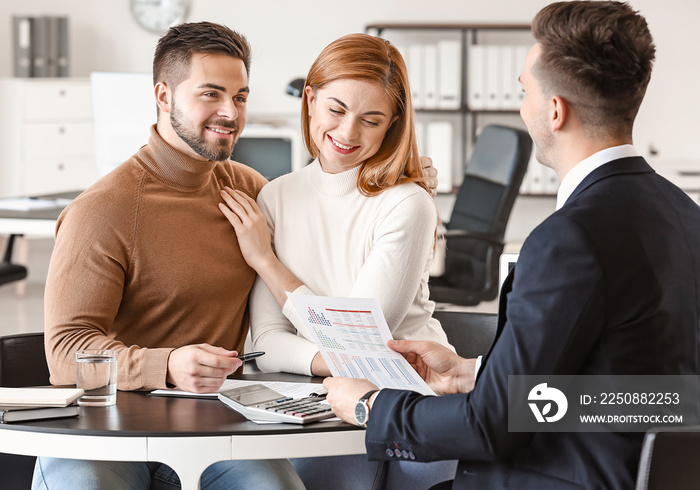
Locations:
column 361, row 413
column 158, row 15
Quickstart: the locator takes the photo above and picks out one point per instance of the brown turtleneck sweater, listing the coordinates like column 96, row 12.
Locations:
column 145, row 262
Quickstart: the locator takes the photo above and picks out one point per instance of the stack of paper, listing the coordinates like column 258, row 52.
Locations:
column 22, row 404
column 39, row 397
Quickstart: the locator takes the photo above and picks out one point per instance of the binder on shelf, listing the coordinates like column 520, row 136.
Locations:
column 404, row 54
column 476, row 96
column 52, row 24
column 40, row 47
column 58, row 41
column 492, row 58
column 420, row 137
column 551, row 180
column 506, row 78
column 526, row 185
column 439, row 148
column 520, row 55
column 449, row 67
column 535, row 176
column 22, row 44
column 415, row 73
column 430, row 76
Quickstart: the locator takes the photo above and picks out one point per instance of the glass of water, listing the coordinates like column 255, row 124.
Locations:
column 96, row 374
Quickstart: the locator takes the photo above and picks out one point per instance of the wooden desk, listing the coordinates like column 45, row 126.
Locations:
column 185, row 433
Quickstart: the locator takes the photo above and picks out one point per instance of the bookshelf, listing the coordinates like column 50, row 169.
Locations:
column 464, row 42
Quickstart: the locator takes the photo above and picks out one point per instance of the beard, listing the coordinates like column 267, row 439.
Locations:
column 543, row 140
column 189, row 133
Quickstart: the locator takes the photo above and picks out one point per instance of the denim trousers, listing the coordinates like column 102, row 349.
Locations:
column 357, row 473
column 71, row 474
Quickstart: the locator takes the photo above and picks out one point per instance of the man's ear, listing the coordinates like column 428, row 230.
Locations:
column 560, row 113
column 163, row 96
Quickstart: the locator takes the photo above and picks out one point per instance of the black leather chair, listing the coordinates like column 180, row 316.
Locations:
column 470, row 333
column 670, row 459
column 474, row 234
column 10, row 272
column 22, row 363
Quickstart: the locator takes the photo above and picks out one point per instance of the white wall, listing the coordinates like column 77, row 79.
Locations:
column 286, row 37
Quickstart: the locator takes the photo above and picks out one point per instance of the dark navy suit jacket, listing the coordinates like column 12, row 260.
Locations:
column 608, row 284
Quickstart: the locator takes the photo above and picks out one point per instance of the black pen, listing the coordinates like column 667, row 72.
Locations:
column 252, row 355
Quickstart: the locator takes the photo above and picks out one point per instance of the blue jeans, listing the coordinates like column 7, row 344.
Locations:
column 73, row 474
column 357, row 472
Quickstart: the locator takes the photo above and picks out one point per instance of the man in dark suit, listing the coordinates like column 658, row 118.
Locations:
column 607, row 285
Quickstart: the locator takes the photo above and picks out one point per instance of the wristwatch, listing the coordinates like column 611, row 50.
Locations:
column 362, row 409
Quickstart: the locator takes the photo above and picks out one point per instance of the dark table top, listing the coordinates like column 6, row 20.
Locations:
column 139, row 414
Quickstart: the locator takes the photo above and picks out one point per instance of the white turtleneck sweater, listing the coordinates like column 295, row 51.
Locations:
column 338, row 242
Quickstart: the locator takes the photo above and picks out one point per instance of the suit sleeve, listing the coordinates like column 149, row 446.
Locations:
column 554, row 316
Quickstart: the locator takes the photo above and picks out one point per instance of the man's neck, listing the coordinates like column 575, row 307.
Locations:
column 575, row 153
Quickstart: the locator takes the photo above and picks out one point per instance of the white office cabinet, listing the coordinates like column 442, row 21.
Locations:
column 46, row 136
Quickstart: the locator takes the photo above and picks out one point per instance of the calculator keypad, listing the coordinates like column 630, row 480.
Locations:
column 309, row 407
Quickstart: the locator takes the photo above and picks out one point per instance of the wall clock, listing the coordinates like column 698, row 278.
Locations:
column 158, row 15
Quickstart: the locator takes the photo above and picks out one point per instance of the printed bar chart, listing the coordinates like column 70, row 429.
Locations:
column 351, row 334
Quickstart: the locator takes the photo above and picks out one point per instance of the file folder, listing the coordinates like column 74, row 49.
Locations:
column 415, row 74
column 492, row 56
column 476, row 96
column 22, row 40
column 439, row 143
column 40, row 47
column 430, row 76
column 449, row 79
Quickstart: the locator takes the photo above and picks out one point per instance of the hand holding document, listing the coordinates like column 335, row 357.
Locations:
column 351, row 334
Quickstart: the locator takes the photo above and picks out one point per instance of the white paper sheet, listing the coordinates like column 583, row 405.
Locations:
column 351, row 334
column 294, row 390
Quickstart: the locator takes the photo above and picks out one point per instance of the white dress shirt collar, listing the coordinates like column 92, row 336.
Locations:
column 582, row 169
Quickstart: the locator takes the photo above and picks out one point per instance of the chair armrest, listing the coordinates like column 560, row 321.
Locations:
column 459, row 234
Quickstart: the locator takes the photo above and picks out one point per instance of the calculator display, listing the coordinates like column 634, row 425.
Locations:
column 253, row 395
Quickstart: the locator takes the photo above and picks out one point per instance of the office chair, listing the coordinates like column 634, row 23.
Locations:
column 10, row 272
column 670, row 459
column 474, row 234
column 22, row 363
column 471, row 334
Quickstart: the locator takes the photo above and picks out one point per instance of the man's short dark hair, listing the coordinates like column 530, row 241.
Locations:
column 174, row 51
column 598, row 55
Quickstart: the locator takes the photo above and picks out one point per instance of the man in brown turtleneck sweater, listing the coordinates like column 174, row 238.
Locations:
column 146, row 264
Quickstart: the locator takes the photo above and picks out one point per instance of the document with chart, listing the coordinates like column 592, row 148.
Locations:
column 351, row 334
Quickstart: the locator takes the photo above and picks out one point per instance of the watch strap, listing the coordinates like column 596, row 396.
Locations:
column 367, row 395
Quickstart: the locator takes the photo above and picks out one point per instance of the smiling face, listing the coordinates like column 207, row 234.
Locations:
column 348, row 121
column 207, row 110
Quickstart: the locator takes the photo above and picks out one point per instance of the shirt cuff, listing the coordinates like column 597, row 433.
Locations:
column 477, row 366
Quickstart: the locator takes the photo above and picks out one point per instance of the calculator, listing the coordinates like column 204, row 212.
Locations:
column 258, row 402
